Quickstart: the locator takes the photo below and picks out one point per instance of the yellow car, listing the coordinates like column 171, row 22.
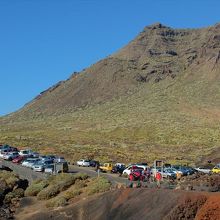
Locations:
column 216, row 170
column 107, row 167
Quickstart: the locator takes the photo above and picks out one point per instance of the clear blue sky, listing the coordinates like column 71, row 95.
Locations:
column 44, row 41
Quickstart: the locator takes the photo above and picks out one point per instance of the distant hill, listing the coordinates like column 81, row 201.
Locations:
column 160, row 94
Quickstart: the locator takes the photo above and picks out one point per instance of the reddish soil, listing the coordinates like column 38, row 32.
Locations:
column 210, row 210
column 132, row 204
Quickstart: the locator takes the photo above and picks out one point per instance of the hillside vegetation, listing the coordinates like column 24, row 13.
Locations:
column 158, row 97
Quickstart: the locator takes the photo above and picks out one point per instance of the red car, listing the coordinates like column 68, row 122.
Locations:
column 18, row 159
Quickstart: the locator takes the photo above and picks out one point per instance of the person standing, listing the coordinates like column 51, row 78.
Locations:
column 158, row 178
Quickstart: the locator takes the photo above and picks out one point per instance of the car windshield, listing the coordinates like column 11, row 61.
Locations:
column 38, row 163
column 33, row 161
column 48, row 162
column 169, row 170
column 49, row 166
column 172, row 169
column 24, row 152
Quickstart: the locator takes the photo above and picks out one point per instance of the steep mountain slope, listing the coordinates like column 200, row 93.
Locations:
column 159, row 94
column 156, row 53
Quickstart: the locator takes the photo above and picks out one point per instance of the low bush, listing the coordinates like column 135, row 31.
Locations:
column 81, row 176
column 98, row 185
column 72, row 192
column 79, row 184
column 57, row 184
column 37, row 181
column 36, row 187
column 56, row 202
column 48, row 192
column 10, row 178
column 17, row 193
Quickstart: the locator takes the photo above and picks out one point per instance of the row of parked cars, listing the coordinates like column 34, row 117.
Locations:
column 167, row 171
column 33, row 160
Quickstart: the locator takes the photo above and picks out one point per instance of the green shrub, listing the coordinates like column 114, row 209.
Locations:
column 37, row 181
column 10, row 178
column 57, row 184
column 48, row 192
column 66, row 183
column 72, row 192
column 97, row 185
column 81, row 176
column 3, row 186
column 17, row 193
column 79, row 184
column 35, row 188
column 56, row 202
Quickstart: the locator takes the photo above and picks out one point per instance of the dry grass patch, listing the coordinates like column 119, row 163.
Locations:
column 98, row 185
column 36, row 187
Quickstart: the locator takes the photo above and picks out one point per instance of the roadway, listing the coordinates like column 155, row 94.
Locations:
column 30, row 175
column 113, row 178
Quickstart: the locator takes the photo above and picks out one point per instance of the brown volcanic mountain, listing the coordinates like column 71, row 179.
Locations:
column 156, row 53
column 162, row 91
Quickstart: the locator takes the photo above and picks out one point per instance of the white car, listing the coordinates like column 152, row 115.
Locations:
column 83, row 163
column 10, row 156
column 2, row 154
column 168, row 173
column 29, row 162
column 129, row 168
column 25, row 153
column 203, row 170
column 174, row 170
column 59, row 160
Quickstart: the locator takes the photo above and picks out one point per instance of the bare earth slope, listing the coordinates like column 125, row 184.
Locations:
column 160, row 93
column 136, row 204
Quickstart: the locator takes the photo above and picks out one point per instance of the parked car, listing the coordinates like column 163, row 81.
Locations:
column 106, row 167
column 59, row 160
column 216, row 169
column 128, row 169
column 5, row 147
column 49, row 168
column 168, row 173
column 189, row 170
column 142, row 163
column 10, row 156
column 51, row 157
column 203, row 170
column 18, row 159
column 174, row 170
column 39, row 166
column 180, row 169
column 93, row 163
column 118, row 168
column 83, row 163
column 56, row 168
column 29, row 162
column 25, row 153
column 13, row 149
column 35, row 154
column 2, row 153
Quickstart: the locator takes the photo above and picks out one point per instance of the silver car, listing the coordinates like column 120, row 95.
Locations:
column 40, row 165
column 29, row 162
column 10, row 156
